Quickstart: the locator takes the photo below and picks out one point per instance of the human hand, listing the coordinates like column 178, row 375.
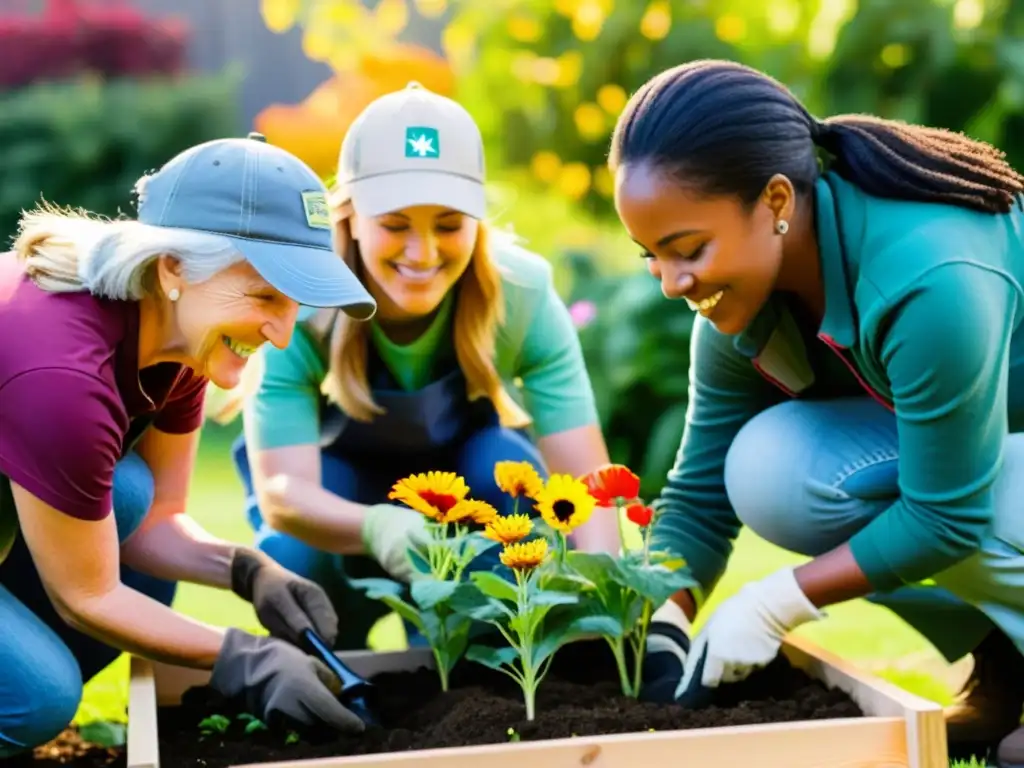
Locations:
column 285, row 603
column 745, row 632
column 668, row 643
column 388, row 533
column 280, row 684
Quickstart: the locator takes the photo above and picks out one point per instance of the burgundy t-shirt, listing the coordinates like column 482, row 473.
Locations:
column 70, row 390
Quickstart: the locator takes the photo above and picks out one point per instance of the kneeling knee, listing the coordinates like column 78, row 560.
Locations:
column 49, row 703
column 766, row 480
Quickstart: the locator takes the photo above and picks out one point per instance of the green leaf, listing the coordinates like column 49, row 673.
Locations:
column 653, row 582
column 255, row 725
column 428, row 593
column 376, row 588
column 570, row 626
column 495, row 658
column 388, row 592
column 549, row 597
column 455, row 643
column 469, row 601
column 216, row 723
column 597, row 567
column 492, row 585
column 419, row 562
column 104, row 733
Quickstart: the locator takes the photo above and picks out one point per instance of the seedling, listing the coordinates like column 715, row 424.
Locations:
column 440, row 562
column 213, row 724
column 535, row 621
column 628, row 588
column 252, row 724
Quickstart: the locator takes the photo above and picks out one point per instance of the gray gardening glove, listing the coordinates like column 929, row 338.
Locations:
column 285, row 603
column 280, row 684
column 388, row 532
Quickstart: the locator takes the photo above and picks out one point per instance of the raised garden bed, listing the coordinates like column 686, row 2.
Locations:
column 808, row 709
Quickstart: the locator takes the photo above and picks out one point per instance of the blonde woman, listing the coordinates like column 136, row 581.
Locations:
column 347, row 409
column 109, row 333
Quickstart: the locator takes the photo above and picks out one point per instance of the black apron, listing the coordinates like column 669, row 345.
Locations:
column 422, row 425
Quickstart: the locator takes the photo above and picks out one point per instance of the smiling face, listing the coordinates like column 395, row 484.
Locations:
column 223, row 320
column 413, row 256
column 712, row 251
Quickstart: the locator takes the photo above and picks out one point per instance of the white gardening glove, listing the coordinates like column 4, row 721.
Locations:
column 388, row 533
column 745, row 632
column 668, row 643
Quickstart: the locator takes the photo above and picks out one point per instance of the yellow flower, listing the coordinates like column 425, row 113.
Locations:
column 479, row 512
column 517, row 478
column 565, row 503
column 434, row 494
column 509, row 530
column 525, row 555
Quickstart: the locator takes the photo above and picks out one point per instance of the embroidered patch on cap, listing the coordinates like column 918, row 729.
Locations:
column 422, row 142
column 317, row 215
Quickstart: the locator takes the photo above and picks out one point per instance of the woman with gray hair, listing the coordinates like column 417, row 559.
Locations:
column 109, row 334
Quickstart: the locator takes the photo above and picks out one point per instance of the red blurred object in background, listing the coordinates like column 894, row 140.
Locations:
column 109, row 39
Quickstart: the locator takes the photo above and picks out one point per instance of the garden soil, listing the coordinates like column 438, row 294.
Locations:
column 580, row 697
column 68, row 750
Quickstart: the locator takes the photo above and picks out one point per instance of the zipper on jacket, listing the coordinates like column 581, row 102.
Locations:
column 840, row 351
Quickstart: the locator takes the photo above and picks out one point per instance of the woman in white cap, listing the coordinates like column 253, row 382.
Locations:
column 109, row 333
column 348, row 409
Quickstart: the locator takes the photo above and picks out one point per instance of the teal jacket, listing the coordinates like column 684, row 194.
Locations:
column 923, row 309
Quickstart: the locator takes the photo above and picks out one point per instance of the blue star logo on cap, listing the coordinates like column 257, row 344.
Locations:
column 422, row 142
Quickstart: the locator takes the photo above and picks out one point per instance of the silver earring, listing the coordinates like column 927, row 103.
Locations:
column 782, row 226
column 174, row 294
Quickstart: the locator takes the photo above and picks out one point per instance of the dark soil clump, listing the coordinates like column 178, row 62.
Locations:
column 484, row 707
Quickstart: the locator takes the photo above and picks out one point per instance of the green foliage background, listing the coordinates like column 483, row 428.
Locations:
column 546, row 79
column 85, row 143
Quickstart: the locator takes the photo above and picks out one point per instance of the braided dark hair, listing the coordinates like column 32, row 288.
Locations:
column 727, row 129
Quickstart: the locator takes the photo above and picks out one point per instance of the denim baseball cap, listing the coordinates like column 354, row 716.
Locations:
column 270, row 205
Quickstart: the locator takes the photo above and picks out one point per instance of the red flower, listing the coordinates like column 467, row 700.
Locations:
column 640, row 514
column 613, row 485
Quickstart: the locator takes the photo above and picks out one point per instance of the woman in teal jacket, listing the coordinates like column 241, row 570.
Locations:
column 857, row 375
column 465, row 319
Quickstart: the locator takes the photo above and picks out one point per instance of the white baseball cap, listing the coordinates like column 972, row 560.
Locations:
column 413, row 147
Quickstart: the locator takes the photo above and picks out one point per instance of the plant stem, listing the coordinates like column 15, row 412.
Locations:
column 622, row 528
column 645, row 622
column 442, row 670
column 619, row 651
column 647, row 544
column 529, row 681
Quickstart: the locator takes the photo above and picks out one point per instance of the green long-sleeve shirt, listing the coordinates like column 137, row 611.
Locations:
column 923, row 309
column 537, row 355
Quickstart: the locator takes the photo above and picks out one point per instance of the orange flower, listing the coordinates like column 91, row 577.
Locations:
column 640, row 514
column 510, row 529
column 479, row 512
column 517, row 478
column 525, row 555
column 612, row 485
column 434, row 494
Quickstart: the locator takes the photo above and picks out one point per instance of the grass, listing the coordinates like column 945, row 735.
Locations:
column 864, row 633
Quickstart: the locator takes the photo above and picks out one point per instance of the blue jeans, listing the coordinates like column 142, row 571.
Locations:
column 43, row 661
column 807, row 475
column 474, row 460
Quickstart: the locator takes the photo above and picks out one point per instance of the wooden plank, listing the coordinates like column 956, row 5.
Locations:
column 925, row 724
column 851, row 743
column 143, row 744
